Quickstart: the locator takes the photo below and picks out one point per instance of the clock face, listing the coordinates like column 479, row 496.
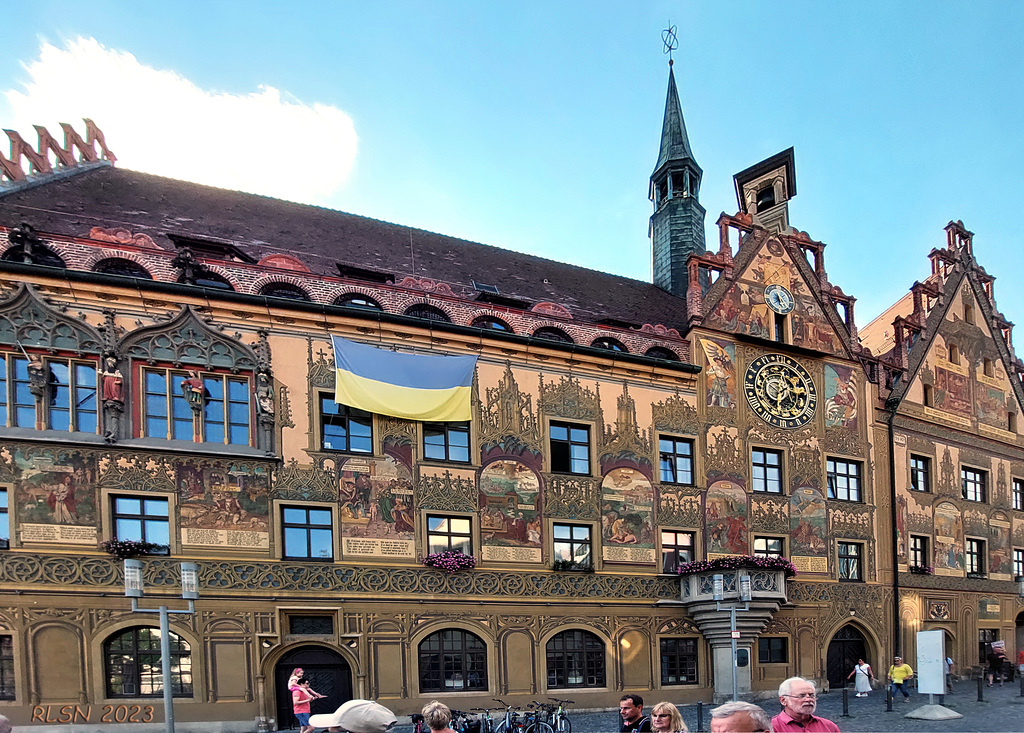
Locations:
column 779, row 299
column 780, row 391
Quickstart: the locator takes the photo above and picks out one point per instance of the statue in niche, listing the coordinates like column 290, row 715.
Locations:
column 37, row 376
column 112, row 393
column 264, row 394
column 194, row 391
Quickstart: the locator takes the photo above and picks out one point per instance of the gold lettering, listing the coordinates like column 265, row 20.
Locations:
column 37, row 714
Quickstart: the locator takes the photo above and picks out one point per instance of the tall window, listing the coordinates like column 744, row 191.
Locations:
column 5, row 520
column 449, row 533
column 446, row 441
column 851, row 561
column 345, row 428
column 843, row 479
column 142, row 519
column 308, row 533
column 17, row 404
column 766, row 470
column 71, row 396
column 575, row 659
column 772, row 650
column 7, row 668
column 974, row 557
column 1018, row 493
column 570, row 448
column 676, row 460
column 973, row 484
column 919, row 556
column 920, row 473
column 572, row 545
column 132, row 664
column 768, row 547
column 678, row 661
column 676, row 549
column 453, row 661
column 226, row 410
column 1018, row 564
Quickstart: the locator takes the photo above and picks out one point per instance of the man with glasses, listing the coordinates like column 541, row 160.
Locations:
column 799, row 700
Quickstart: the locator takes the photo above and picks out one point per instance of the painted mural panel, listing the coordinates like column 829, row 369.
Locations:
column 999, row 550
column 55, row 496
column 510, row 517
column 840, row 397
column 375, row 503
column 952, row 392
column 627, row 517
column 991, row 405
column 808, row 529
column 949, row 540
column 726, row 519
column 720, row 377
column 224, row 506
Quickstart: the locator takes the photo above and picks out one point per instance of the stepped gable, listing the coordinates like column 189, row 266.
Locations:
column 322, row 238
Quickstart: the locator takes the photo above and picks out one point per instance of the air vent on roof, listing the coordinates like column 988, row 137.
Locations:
column 616, row 323
column 503, row 301
column 485, row 288
column 350, row 272
column 211, row 248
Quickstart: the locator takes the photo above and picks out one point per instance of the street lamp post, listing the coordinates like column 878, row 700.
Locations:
column 718, row 581
column 133, row 588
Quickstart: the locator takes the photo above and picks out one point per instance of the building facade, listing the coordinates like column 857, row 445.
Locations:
column 167, row 374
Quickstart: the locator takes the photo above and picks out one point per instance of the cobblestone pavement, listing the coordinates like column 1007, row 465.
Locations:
column 1002, row 710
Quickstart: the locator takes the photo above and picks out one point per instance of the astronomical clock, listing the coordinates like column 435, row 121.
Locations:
column 780, row 391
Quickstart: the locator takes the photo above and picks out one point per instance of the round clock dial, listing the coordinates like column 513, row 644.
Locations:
column 780, row 391
column 779, row 299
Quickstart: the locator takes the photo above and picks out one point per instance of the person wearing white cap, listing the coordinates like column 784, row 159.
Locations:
column 356, row 716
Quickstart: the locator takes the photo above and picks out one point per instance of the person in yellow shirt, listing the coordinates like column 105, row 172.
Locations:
column 899, row 673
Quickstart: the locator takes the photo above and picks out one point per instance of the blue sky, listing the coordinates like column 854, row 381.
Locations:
column 534, row 125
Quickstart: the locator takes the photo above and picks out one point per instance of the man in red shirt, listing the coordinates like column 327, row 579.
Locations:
column 799, row 701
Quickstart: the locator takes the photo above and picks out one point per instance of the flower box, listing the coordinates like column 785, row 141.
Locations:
column 450, row 561
column 920, row 570
column 570, row 566
column 126, row 549
column 738, row 562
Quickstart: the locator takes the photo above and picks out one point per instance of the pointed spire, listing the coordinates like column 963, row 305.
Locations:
column 675, row 145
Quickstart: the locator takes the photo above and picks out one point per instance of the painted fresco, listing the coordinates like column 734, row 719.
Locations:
column 999, row 551
column 55, row 496
column 726, row 519
column 223, row 507
column 720, row 376
column 949, row 540
column 840, row 397
column 627, row 517
column 808, row 528
column 510, row 518
column 375, row 503
column 952, row 392
column 991, row 405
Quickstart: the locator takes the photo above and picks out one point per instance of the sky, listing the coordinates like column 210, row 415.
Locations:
column 534, row 125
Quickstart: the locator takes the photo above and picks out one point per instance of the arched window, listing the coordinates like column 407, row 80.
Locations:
column 122, row 267
column 40, row 256
column 606, row 342
column 428, row 312
column 357, row 300
column 284, row 290
column 207, row 279
column 550, row 333
column 453, row 661
column 575, row 658
column 660, row 352
column 132, row 664
column 494, row 324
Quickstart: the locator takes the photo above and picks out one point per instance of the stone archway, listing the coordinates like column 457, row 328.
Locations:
column 328, row 672
column 847, row 646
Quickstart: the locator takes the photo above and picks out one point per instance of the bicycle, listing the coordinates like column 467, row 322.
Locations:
column 459, row 722
column 486, row 721
column 532, row 722
column 560, row 717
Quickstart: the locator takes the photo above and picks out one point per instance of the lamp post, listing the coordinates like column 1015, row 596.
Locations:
column 133, row 588
column 718, row 593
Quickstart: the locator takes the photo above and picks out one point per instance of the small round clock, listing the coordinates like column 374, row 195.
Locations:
column 779, row 299
column 780, row 391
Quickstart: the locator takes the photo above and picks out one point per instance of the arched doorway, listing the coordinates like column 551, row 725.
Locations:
column 328, row 672
column 846, row 647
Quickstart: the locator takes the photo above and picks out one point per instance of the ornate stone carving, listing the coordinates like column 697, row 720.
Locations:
column 426, row 285
column 770, row 514
column 843, row 441
column 185, row 339
column 852, row 521
column 551, row 309
column 27, row 321
column 947, row 484
column 508, row 411
column 139, row 473
column 570, row 497
column 626, row 439
column 120, row 235
column 675, row 415
column 806, row 466
column 447, row 493
column 306, row 483
column 569, row 399
column 680, row 506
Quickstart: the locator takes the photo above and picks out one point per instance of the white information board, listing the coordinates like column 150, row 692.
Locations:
column 930, row 668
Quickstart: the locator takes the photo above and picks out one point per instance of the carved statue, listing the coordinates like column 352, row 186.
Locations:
column 194, row 391
column 112, row 393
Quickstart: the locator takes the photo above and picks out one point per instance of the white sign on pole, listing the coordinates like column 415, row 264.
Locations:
column 931, row 673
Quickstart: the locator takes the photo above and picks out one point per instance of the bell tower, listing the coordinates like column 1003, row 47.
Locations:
column 677, row 225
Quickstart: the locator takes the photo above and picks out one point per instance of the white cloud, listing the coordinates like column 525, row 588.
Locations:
column 160, row 122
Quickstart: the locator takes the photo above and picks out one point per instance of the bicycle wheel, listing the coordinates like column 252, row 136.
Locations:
column 500, row 727
column 539, row 727
column 562, row 725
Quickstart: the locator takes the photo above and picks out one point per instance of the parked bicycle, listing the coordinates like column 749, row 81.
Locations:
column 486, row 721
column 535, row 718
column 560, row 717
column 511, row 722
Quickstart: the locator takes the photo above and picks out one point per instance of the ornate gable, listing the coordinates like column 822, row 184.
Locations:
column 29, row 321
column 186, row 340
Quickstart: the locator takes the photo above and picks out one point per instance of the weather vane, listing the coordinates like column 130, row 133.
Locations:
column 668, row 37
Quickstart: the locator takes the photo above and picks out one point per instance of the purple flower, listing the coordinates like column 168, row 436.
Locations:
column 737, row 562
column 451, row 561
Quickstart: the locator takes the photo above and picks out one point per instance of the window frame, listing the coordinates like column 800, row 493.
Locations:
column 918, row 552
column 1018, row 563
column 573, row 542
column 178, row 412
column 445, row 431
column 669, row 458
column 772, row 650
column 450, row 534
column 343, row 418
column 308, row 528
column 684, row 663
column 180, row 651
column 8, row 681
column 1017, row 493
column 150, row 524
column 975, row 557
column 587, row 658
column 857, row 558
column 672, row 553
column 5, row 518
column 566, row 463
column 853, row 475
column 763, row 484
column 73, row 386
column 979, row 482
column 920, row 474
column 449, row 659
column 767, row 552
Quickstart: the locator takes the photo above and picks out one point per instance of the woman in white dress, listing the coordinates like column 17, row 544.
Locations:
column 862, row 675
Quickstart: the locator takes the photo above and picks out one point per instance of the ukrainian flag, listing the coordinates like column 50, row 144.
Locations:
column 411, row 386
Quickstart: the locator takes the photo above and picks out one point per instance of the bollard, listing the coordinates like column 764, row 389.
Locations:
column 888, row 699
column 700, row 716
column 981, row 689
column 846, row 703
column 1020, row 678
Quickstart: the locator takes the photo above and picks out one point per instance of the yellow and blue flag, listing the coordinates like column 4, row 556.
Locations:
column 411, row 386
